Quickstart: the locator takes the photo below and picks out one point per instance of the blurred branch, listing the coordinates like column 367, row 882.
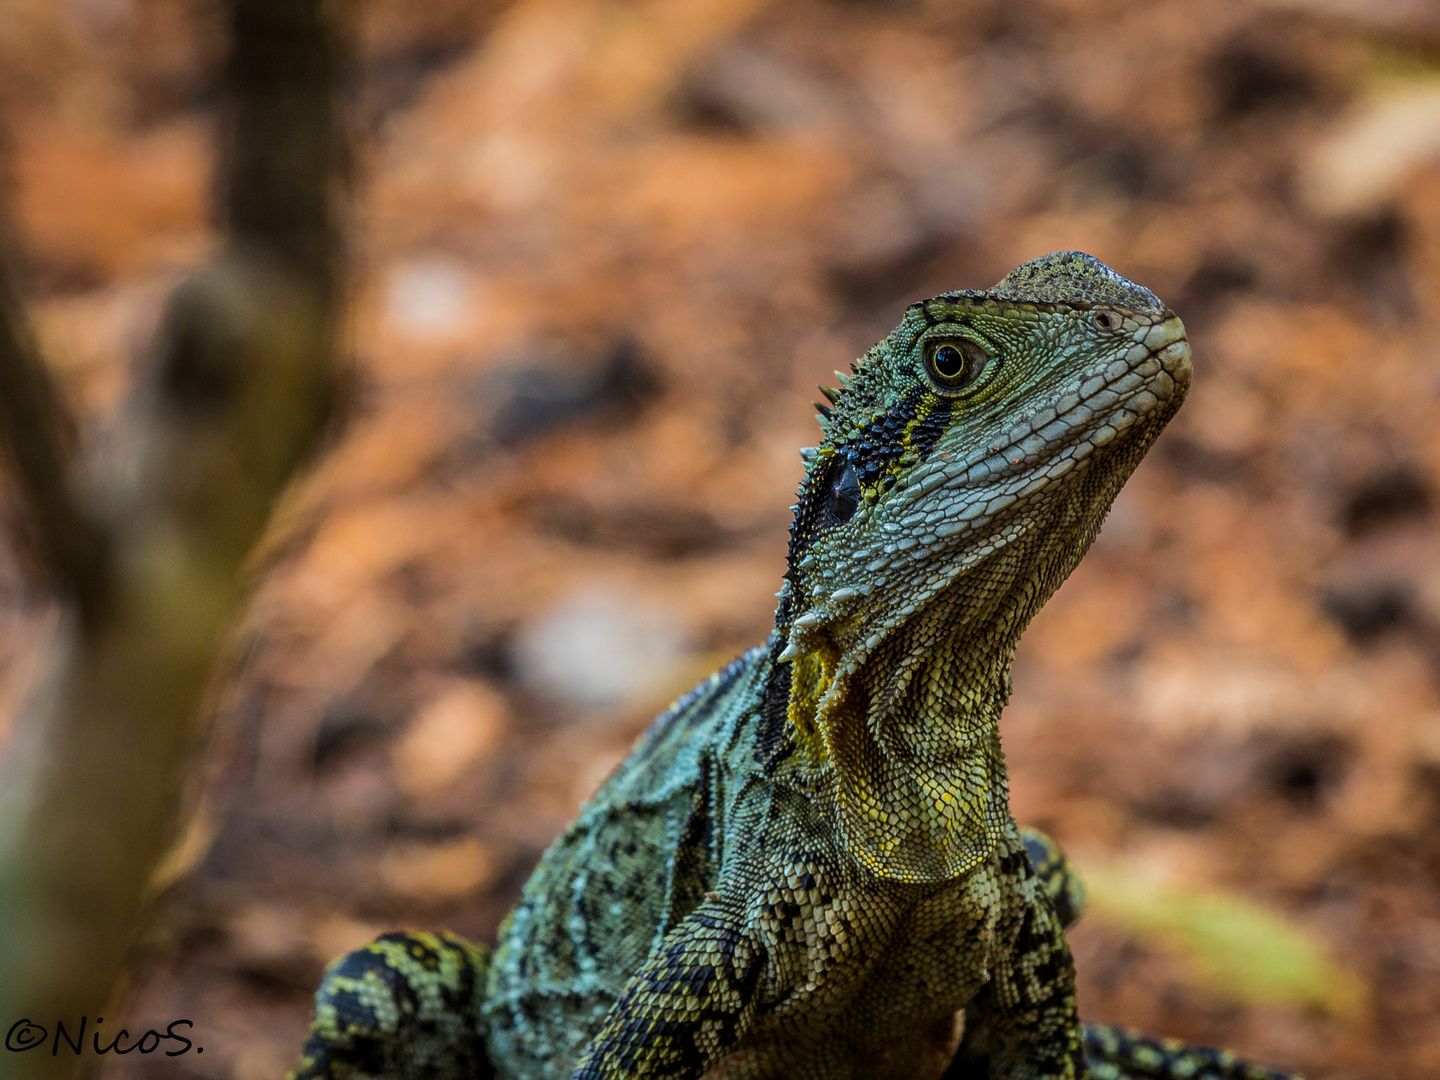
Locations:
column 286, row 150
column 35, row 432
column 240, row 395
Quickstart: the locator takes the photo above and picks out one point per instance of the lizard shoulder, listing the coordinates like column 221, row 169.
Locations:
column 640, row 856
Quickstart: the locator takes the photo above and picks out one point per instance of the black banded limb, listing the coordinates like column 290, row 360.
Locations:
column 686, row 1007
column 1114, row 1053
column 404, row 1007
column 1058, row 879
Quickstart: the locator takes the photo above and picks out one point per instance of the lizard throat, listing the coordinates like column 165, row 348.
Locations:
column 905, row 748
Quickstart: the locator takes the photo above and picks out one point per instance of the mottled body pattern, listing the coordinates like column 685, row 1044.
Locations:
column 807, row 869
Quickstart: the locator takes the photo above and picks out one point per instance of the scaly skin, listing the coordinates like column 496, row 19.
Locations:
column 807, row 869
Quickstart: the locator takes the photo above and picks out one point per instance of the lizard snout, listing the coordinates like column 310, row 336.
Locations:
column 1167, row 342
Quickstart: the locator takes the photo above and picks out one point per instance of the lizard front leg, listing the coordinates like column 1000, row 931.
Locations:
column 1056, row 883
column 1110, row 1053
column 1023, row 1025
column 689, row 1003
column 1054, row 875
column 404, row 1007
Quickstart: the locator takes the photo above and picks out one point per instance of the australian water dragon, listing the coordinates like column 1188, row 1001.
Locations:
column 807, row 868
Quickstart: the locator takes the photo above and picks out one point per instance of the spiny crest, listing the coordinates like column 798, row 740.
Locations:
column 859, row 395
column 834, row 395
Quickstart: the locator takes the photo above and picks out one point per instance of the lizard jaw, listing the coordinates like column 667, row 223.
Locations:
column 959, row 508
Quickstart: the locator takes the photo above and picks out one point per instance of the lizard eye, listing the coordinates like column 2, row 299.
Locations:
column 953, row 364
column 843, row 498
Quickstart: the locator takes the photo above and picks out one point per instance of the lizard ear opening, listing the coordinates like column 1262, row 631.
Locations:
column 842, row 496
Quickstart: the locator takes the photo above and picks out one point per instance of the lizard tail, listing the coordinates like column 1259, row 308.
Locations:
column 1117, row 1054
column 404, row 1007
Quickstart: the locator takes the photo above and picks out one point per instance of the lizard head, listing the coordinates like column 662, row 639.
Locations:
column 966, row 466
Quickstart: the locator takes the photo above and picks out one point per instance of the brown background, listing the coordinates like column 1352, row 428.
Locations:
column 601, row 252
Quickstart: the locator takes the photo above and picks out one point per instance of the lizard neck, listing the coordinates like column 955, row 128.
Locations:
column 897, row 715
column 904, row 747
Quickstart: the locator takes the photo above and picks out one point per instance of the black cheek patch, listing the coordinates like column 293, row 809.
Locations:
column 833, row 492
column 881, row 442
column 925, row 434
column 828, row 497
column 901, row 428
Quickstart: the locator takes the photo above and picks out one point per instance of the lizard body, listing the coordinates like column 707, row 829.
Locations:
column 807, row 868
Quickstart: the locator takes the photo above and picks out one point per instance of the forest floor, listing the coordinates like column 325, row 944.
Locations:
column 602, row 251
